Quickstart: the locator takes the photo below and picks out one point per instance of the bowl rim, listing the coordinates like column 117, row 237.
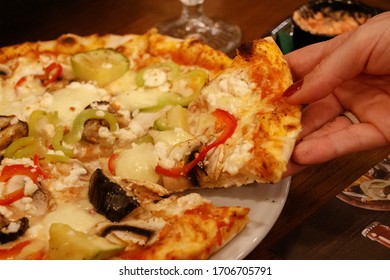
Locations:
column 364, row 8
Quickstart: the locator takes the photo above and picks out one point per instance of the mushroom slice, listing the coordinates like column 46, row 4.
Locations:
column 11, row 128
column 127, row 233
column 132, row 230
column 41, row 201
column 92, row 126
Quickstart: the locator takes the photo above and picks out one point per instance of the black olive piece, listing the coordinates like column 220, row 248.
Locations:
column 109, row 198
column 192, row 174
column 6, row 236
column 140, row 231
column 192, row 177
column 357, row 189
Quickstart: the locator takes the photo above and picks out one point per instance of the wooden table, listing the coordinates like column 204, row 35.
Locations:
column 31, row 20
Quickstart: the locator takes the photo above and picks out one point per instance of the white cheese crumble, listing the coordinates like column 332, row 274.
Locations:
column 105, row 133
column 238, row 158
column 181, row 87
column 234, row 85
column 154, row 77
column 179, row 206
column 162, row 150
column 13, row 227
column 228, row 92
column 26, row 203
column 11, row 161
column 75, row 174
column 29, row 187
column 100, row 113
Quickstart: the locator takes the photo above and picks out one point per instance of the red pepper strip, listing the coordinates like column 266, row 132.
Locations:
column 12, row 197
column 11, row 253
column 19, row 169
column 39, row 167
column 52, row 73
column 21, row 81
column 230, row 124
column 111, row 163
column 38, row 255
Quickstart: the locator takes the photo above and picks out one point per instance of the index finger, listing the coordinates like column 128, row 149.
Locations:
column 303, row 61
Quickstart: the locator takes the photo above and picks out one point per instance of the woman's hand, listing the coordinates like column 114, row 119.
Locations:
column 348, row 73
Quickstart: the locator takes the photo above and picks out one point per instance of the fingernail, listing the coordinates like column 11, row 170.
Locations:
column 293, row 88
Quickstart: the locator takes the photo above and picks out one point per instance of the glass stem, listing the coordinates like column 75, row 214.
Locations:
column 192, row 11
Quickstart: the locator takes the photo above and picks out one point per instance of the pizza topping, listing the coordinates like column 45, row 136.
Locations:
column 58, row 146
column 157, row 75
column 11, row 129
column 127, row 233
column 52, row 74
column 137, row 163
column 97, row 131
column 229, row 123
column 66, row 243
column 24, row 147
column 10, row 198
column 241, row 154
column 40, row 122
column 177, row 117
column 71, row 100
column 76, row 132
column 102, row 66
column 109, row 198
column 230, row 92
column 111, row 163
column 11, row 253
column 10, row 171
column 11, row 230
column 171, row 84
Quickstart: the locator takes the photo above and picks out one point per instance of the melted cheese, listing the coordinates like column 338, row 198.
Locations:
column 137, row 163
column 77, row 215
column 73, row 99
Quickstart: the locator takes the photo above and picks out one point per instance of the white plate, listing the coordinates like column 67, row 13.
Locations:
column 266, row 201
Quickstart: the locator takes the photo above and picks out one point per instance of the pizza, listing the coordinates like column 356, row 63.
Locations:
column 105, row 137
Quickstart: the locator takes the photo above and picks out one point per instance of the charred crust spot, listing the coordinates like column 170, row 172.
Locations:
column 245, row 50
column 67, row 41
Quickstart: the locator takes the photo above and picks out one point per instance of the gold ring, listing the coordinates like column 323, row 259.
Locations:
column 351, row 117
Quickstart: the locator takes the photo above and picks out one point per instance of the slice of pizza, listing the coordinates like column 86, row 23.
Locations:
column 245, row 129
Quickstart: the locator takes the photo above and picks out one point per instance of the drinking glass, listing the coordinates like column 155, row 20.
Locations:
column 219, row 34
